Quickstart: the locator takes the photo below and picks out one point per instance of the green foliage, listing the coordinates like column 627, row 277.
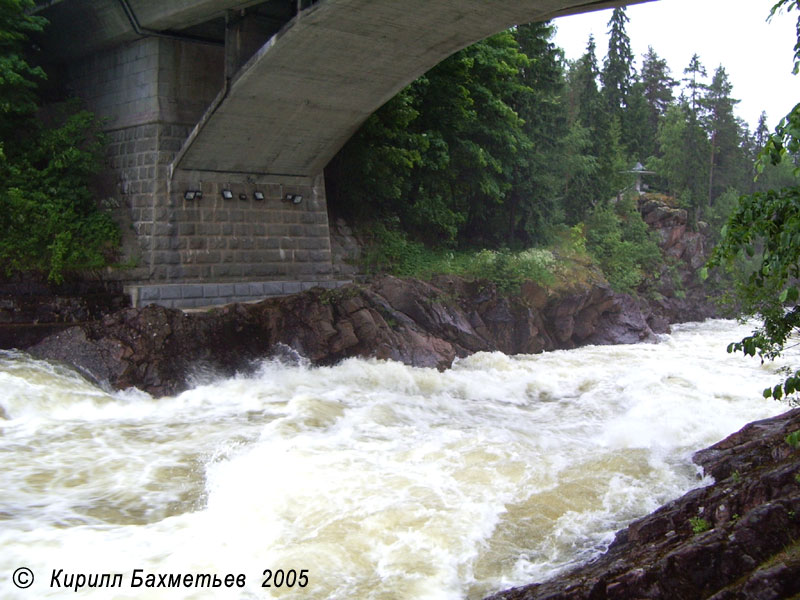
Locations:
column 392, row 251
column 49, row 217
column 699, row 524
column 18, row 79
column 503, row 143
column 50, row 221
column 766, row 228
column 618, row 239
column 793, row 439
column 618, row 67
column 509, row 270
column 766, row 224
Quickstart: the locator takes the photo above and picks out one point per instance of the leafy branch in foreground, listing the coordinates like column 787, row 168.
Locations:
column 768, row 224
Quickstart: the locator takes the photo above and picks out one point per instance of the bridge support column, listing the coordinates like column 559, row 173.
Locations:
column 181, row 232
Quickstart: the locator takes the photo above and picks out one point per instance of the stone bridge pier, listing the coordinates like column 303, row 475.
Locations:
column 222, row 114
column 197, row 237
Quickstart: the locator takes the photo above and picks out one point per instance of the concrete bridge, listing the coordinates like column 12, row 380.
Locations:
column 222, row 115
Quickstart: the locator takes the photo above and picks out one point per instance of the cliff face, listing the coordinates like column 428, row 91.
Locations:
column 682, row 295
column 418, row 323
column 738, row 539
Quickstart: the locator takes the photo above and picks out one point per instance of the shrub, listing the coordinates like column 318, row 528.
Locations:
column 50, row 220
column 618, row 239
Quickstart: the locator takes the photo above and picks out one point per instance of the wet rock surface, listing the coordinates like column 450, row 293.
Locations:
column 737, row 539
column 418, row 323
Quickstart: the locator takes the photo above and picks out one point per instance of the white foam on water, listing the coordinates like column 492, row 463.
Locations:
column 382, row 480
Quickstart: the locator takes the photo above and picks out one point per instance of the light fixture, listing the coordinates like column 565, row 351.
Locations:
column 189, row 195
column 294, row 198
column 242, row 196
column 198, row 194
column 227, row 194
column 258, row 195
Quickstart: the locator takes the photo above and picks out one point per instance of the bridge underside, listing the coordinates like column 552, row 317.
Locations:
column 222, row 115
column 303, row 94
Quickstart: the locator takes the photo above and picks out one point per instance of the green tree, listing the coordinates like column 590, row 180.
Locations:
column 683, row 158
column 439, row 160
column 726, row 160
column 617, row 74
column 466, row 107
column 18, row 79
column 50, row 220
column 534, row 202
column 695, row 73
column 589, row 134
column 658, row 85
column 638, row 139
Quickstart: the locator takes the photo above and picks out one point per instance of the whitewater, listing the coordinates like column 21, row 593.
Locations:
column 367, row 480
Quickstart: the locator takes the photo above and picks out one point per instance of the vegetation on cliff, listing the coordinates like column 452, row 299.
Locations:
column 50, row 219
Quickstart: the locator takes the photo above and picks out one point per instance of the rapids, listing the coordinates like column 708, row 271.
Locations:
column 377, row 480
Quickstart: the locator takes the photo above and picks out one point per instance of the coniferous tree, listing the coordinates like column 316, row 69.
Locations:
column 534, row 201
column 695, row 73
column 588, row 132
column 658, row 83
column 639, row 138
column 617, row 75
column 726, row 159
column 618, row 69
column 762, row 131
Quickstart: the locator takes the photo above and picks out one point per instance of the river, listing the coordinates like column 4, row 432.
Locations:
column 368, row 480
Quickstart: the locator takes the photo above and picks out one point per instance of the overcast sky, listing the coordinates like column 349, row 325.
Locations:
column 733, row 33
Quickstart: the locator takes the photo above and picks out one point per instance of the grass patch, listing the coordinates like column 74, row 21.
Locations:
column 392, row 252
column 699, row 524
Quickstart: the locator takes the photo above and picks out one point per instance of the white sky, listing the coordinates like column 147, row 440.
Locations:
column 758, row 56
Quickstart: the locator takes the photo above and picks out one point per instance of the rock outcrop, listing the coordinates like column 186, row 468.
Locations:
column 31, row 309
column 415, row 322
column 738, row 539
column 682, row 296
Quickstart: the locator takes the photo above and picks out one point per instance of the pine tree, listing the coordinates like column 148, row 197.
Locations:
column 587, row 101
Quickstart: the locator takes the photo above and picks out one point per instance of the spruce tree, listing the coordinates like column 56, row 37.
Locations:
column 658, row 84
column 534, row 201
column 726, row 159
column 617, row 75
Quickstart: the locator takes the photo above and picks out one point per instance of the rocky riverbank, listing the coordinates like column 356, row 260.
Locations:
column 426, row 324
column 738, row 539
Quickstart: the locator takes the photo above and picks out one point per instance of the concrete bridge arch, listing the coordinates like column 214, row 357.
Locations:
column 222, row 115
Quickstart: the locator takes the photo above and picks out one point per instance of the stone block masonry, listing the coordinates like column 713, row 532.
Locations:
column 180, row 231
column 234, row 227
column 196, row 295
